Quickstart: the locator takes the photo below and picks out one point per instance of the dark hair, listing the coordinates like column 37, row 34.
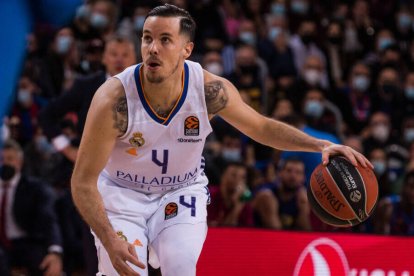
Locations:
column 290, row 159
column 187, row 23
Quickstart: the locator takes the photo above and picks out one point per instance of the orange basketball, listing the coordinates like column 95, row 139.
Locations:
column 342, row 195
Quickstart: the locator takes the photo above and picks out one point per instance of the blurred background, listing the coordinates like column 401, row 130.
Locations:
column 338, row 70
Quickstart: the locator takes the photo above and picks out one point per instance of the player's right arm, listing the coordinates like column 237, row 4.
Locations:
column 107, row 119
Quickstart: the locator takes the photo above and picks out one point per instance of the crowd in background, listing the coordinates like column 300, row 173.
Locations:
column 339, row 70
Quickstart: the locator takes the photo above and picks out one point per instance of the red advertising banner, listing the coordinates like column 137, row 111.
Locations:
column 265, row 252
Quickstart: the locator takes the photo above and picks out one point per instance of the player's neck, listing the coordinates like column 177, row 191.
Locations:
column 162, row 97
column 170, row 88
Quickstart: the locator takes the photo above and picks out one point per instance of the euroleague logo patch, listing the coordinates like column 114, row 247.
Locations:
column 191, row 126
column 171, row 210
column 322, row 257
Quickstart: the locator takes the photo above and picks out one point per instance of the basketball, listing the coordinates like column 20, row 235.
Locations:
column 341, row 194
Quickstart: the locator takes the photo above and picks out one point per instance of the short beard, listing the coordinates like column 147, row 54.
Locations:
column 160, row 79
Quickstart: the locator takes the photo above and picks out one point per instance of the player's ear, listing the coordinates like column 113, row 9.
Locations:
column 188, row 49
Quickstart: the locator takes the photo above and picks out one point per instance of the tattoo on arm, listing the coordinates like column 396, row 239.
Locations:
column 216, row 96
column 120, row 112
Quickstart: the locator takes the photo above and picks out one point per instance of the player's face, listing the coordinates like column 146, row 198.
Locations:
column 118, row 56
column 163, row 48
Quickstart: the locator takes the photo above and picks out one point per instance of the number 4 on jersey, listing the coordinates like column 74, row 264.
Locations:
column 191, row 205
column 164, row 163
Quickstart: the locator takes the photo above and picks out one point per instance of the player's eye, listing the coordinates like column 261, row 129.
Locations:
column 165, row 39
column 146, row 39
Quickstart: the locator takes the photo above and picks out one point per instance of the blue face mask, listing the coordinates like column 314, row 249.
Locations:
column 82, row 12
column 139, row 22
column 314, row 108
column 278, row 9
column 24, row 96
column 404, row 21
column 99, row 21
column 379, row 166
column 409, row 92
column 63, row 44
column 248, row 38
column 409, row 135
column 385, row 42
column 232, row 155
column 274, row 32
column 299, row 7
column 360, row 83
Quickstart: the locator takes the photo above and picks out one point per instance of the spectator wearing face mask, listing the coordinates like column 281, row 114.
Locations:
column 30, row 237
column 388, row 95
column 333, row 50
column 354, row 100
column 378, row 133
column 102, row 18
column 62, row 62
column 379, row 160
column 213, row 63
column 310, row 159
column 27, row 106
column 321, row 114
column 132, row 26
column 303, row 44
column 274, row 49
column 312, row 75
column 403, row 28
column 408, row 97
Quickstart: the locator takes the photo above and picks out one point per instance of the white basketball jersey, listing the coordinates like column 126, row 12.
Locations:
column 161, row 154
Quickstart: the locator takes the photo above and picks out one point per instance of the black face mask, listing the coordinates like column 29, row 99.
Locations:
column 336, row 40
column 390, row 89
column 307, row 38
column 7, row 172
column 249, row 69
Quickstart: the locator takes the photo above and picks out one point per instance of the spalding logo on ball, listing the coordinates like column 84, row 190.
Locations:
column 341, row 194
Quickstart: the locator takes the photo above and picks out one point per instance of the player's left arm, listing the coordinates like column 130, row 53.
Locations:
column 223, row 99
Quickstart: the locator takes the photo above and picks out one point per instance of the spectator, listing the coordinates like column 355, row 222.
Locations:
column 229, row 201
column 333, row 49
column 118, row 54
column 321, row 114
column 62, row 61
column 378, row 133
column 310, row 159
column 284, row 205
column 30, row 235
column 388, row 95
column 312, row 75
column 395, row 213
column 303, row 44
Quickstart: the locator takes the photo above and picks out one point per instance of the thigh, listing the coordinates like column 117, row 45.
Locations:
column 178, row 248
column 187, row 205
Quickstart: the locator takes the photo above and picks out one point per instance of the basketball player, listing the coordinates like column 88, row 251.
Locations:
column 138, row 179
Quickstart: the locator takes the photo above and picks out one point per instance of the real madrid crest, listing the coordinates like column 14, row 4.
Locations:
column 136, row 141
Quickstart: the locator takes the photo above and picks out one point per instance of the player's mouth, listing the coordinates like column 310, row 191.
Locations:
column 153, row 65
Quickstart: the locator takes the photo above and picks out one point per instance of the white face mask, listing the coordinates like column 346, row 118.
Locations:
column 233, row 155
column 24, row 97
column 312, row 76
column 381, row 133
column 215, row 68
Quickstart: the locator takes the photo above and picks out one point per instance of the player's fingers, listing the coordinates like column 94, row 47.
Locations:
column 133, row 258
column 351, row 157
column 124, row 269
column 325, row 157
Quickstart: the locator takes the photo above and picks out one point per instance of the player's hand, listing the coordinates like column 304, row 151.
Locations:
column 352, row 155
column 120, row 252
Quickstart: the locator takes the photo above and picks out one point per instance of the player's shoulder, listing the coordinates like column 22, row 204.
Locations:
column 110, row 90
